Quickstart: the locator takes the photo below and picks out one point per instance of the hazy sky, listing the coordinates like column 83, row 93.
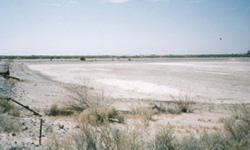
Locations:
column 85, row 27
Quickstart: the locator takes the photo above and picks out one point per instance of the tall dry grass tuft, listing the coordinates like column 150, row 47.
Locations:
column 143, row 111
column 165, row 138
column 184, row 103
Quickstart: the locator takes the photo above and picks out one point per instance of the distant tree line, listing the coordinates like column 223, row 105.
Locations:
column 121, row 56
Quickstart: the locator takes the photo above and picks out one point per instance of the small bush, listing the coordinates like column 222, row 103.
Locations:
column 162, row 107
column 143, row 111
column 164, row 139
column 8, row 124
column 5, row 106
column 82, row 98
column 14, row 112
column 54, row 111
column 100, row 115
column 8, row 107
column 82, row 58
column 184, row 103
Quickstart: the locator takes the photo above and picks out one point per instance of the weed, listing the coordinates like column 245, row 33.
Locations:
column 143, row 111
column 164, row 139
column 184, row 103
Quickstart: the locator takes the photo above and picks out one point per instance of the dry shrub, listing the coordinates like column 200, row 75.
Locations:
column 83, row 97
column 238, row 127
column 99, row 115
column 184, row 103
column 235, row 137
column 100, row 138
column 164, row 139
column 164, row 107
column 8, row 107
column 5, row 105
column 159, row 107
column 143, row 111
column 14, row 112
column 8, row 124
column 55, row 110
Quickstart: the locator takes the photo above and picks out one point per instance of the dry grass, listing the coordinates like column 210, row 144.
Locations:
column 83, row 97
column 143, row 111
column 8, row 124
column 164, row 139
column 99, row 138
column 8, row 107
column 234, row 137
column 100, row 115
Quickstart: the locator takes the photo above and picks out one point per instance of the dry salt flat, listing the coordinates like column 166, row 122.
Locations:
column 207, row 80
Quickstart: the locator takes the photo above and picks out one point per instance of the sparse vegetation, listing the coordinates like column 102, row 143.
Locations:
column 55, row 110
column 142, row 111
column 103, row 137
column 8, row 124
column 235, row 136
column 82, row 98
column 165, row 139
column 184, row 103
column 99, row 115
column 163, row 107
column 8, row 107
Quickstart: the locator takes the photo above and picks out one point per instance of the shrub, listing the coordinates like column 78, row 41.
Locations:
column 143, row 111
column 103, row 137
column 163, row 107
column 184, row 103
column 82, row 58
column 54, row 111
column 82, row 98
column 164, row 139
column 234, row 137
column 100, row 115
column 8, row 124
column 15, row 112
column 5, row 106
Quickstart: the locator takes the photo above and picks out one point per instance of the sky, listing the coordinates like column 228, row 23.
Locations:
column 124, row 27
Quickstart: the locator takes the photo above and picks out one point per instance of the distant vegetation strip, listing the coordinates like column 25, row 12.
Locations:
column 119, row 56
